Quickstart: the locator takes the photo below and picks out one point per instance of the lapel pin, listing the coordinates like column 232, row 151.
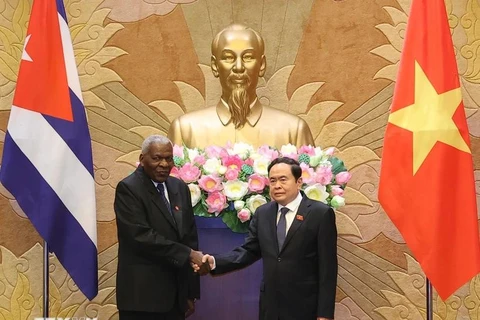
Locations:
column 299, row 217
column 177, row 208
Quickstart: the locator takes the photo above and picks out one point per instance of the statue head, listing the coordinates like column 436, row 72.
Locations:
column 238, row 60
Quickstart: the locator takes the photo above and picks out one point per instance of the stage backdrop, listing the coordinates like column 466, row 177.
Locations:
column 143, row 63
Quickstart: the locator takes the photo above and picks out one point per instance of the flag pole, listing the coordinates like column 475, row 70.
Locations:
column 46, row 278
column 429, row 300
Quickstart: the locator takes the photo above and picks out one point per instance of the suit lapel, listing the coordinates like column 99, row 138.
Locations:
column 300, row 216
column 155, row 197
column 176, row 204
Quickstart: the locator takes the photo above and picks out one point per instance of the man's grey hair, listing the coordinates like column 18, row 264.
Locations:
column 156, row 138
column 238, row 27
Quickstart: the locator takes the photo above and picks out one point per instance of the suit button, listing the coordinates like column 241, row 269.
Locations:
column 279, row 259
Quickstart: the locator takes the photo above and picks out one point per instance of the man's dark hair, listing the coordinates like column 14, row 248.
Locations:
column 294, row 166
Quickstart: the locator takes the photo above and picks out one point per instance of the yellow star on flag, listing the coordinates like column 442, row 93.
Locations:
column 429, row 118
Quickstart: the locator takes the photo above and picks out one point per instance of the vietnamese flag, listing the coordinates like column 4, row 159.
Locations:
column 427, row 185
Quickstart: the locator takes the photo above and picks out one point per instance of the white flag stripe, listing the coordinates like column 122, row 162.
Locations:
column 69, row 57
column 71, row 181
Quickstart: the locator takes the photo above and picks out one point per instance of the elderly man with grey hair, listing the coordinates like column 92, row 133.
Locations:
column 157, row 239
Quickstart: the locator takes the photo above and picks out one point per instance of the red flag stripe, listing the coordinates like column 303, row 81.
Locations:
column 51, row 95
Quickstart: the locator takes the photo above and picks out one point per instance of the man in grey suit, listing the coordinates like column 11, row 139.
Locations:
column 297, row 239
column 157, row 239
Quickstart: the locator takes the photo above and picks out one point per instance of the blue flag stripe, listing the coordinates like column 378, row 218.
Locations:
column 75, row 134
column 61, row 9
column 50, row 217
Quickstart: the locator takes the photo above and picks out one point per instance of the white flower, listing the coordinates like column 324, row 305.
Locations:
column 212, row 165
column 324, row 160
column 288, row 149
column 222, row 170
column 260, row 166
column 320, row 157
column 192, row 154
column 317, row 192
column 195, row 193
column 255, row 201
column 241, row 149
column 337, row 201
column 255, row 156
column 315, row 160
column 239, row 205
column 235, row 189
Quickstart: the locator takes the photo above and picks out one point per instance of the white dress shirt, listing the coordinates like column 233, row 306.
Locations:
column 289, row 216
column 293, row 208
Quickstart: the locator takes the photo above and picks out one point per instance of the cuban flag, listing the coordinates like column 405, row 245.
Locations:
column 47, row 158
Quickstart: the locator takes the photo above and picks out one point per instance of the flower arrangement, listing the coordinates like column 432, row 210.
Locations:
column 232, row 181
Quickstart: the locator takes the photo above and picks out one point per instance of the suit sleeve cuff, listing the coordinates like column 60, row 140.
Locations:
column 214, row 263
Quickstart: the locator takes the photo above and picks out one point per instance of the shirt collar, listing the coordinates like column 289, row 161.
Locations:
column 292, row 206
column 156, row 184
column 225, row 116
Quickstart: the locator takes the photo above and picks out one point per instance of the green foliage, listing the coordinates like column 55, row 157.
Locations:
column 337, row 165
column 200, row 209
column 178, row 161
column 230, row 219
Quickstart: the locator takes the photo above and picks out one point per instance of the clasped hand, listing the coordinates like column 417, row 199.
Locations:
column 198, row 262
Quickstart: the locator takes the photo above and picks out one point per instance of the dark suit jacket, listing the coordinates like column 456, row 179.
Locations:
column 153, row 251
column 299, row 282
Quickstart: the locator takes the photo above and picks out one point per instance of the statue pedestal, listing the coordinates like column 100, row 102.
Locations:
column 232, row 296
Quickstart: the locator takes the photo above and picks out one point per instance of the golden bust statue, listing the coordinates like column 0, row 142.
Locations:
column 238, row 60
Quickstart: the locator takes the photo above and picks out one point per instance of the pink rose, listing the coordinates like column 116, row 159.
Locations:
column 330, row 151
column 267, row 152
column 249, row 161
column 231, row 174
column 343, row 177
column 232, row 162
column 307, row 150
column 174, row 172
column 324, row 175
column 210, row 183
column 244, row 215
column 293, row 156
column 215, row 152
column 178, row 151
column 216, row 202
column 337, row 190
column 256, row 183
column 189, row 173
column 308, row 174
column 200, row 160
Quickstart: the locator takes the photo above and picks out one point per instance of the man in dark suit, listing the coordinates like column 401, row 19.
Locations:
column 297, row 239
column 157, row 239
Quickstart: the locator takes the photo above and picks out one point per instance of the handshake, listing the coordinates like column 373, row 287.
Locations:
column 201, row 263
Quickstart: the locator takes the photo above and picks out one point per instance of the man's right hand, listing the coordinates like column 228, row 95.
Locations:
column 206, row 265
column 210, row 260
column 203, row 270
